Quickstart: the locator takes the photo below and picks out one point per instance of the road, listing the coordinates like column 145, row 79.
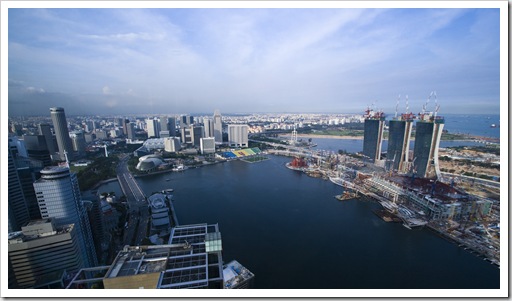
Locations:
column 136, row 229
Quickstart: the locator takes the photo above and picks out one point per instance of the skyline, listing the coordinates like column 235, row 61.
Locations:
column 153, row 61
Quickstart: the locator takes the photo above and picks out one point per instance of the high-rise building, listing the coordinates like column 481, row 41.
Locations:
column 60, row 126
column 153, row 128
column 37, row 148
column 373, row 129
column 207, row 145
column 58, row 195
column 18, row 214
column 119, row 122
column 429, row 128
column 172, row 144
column 17, row 129
column 191, row 135
column 238, row 135
column 79, row 144
column 171, row 126
column 28, row 171
column 168, row 124
column 44, row 129
column 208, row 127
column 167, row 127
column 130, row 134
column 125, row 126
column 399, row 139
column 41, row 252
column 186, row 120
column 217, row 126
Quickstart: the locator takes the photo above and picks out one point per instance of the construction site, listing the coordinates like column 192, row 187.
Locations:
column 410, row 185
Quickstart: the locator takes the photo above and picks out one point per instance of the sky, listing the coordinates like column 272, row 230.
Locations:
column 164, row 61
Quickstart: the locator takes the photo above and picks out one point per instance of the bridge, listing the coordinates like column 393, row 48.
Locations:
column 138, row 210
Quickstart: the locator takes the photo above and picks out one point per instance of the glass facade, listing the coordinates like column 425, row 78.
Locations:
column 58, row 196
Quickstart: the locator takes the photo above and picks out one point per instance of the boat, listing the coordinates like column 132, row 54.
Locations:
column 167, row 179
column 347, row 195
column 180, row 167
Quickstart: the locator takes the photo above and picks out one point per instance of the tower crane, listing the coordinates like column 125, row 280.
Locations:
column 437, row 106
column 396, row 108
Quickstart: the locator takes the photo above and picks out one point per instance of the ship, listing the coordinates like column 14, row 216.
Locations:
column 347, row 195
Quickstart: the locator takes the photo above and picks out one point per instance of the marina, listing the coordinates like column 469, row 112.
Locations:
column 310, row 208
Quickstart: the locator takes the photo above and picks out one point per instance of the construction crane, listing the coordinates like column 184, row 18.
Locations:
column 436, row 105
column 396, row 108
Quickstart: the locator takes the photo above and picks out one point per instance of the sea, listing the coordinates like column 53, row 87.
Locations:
column 290, row 231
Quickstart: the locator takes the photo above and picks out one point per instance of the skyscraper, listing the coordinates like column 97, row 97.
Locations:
column 373, row 128
column 208, row 127
column 168, row 124
column 171, row 126
column 238, row 135
column 191, row 135
column 42, row 252
column 44, row 129
column 207, row 145
column 429, row 128
column 217, row 126
column 130, row 128
column 18, row 214
column 153, row 127
column 78, row 140
column 59, row 197
column 37, row 148
column 400, row 130
column 126, row 123
column 60, row 126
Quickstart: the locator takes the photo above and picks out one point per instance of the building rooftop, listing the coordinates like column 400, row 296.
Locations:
column 234, row 274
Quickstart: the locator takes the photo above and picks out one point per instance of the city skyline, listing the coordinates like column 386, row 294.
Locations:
column 121, row 61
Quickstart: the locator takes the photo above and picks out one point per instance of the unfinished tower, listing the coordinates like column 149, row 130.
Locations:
column 400, row 129
column 429, row 128
column 373, row 128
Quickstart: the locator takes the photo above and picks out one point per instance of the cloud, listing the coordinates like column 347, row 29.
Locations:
column 127, row 37
column 35, row 90
column 254, row 59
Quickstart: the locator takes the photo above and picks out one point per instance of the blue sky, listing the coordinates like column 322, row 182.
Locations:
column 108, row 61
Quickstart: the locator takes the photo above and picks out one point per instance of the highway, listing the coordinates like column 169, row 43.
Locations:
column 137, row 207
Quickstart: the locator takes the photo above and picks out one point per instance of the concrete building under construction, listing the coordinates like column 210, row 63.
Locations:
column 400, row 129
column 373, row 129
column 429, row 128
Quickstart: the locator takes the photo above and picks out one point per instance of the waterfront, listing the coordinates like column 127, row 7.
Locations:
column 290, row 231
column 356, row 145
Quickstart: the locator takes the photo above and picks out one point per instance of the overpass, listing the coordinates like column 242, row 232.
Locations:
column 136, row 229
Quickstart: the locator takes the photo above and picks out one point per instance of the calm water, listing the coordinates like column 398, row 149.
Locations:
column 291, row 232
column 479, row 125
column 356, row 145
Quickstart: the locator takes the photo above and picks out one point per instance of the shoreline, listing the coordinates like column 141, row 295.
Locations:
column 358, row 137
column 326, row 136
